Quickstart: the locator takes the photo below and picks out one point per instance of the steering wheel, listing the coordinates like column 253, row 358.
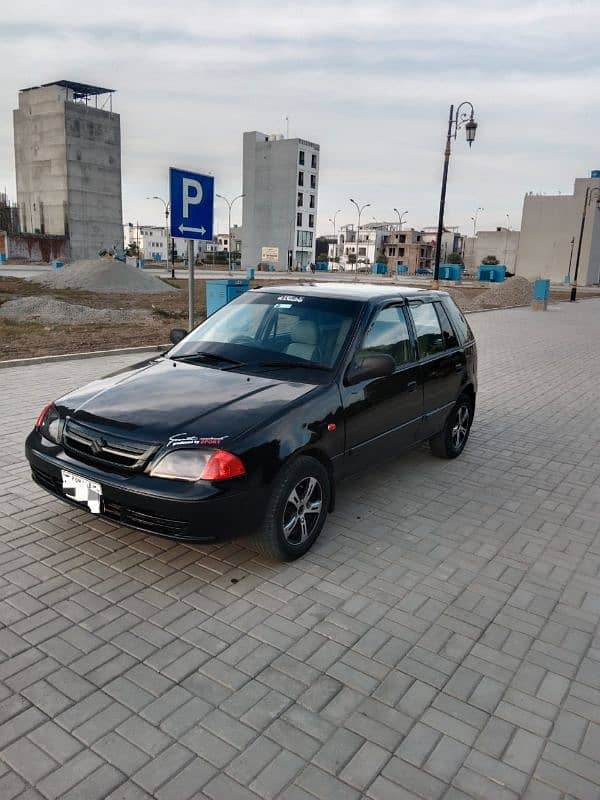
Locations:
column 244, row 340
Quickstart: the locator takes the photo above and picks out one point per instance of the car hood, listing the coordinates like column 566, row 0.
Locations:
column 165, row 398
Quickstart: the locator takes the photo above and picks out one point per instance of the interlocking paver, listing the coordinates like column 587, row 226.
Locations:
column 441, row 639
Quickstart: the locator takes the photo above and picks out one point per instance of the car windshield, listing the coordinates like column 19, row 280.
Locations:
column 269, row 329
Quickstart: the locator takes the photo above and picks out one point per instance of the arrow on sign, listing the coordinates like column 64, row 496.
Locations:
column 183, row 229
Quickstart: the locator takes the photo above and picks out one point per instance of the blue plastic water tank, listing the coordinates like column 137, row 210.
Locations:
column 595, row 173
column 221, row 292
column 541, row 289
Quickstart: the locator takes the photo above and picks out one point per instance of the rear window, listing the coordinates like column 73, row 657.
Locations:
column 459, row 323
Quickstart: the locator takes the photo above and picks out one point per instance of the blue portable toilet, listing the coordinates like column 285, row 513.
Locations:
column 401, row 269
column 450, row 272
column 57, row 264
column 379, row 269
column 250, row 273
column 2, row 258
column 322, row 266
column 221, row 292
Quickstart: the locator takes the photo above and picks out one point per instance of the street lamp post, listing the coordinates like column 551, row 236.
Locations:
column 333, row 220
column 400, row 220
column 360, row 209
column 474, row 219
column 588, row 199
column 455, row 121
column 506, row 240
column 167, row 206
column 229, row 205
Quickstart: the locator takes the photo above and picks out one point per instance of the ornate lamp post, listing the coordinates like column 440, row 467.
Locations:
column 455, row 121
column 589, row 192
column 360, row 209
column 229, row 204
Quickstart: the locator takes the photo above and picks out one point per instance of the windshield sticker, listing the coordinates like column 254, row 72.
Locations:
column 185, row 440
column 290, row 298
column 283, row 305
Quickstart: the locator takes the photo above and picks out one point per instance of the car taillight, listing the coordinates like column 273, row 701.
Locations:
column 221, row 466
column 42, row 415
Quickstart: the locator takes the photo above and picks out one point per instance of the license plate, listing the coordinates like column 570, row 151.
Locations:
column 82, row 490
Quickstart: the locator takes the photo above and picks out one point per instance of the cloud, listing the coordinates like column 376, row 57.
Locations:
column 371, row 82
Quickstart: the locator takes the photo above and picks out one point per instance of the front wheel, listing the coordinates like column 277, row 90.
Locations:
column 451, row 441
column 296, row 511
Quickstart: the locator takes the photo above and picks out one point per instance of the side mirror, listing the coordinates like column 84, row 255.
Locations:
column 367, row 367
column 177, row 334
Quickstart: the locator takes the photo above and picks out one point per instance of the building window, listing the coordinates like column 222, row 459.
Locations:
column 301, row 157
column 300, row 178
column 418, row 238
column 311, row 220
column 313, row 161
column 313, row 181
column 402, row 238
column 299, row 219
column 401, row 251
column 362, row 251
column 392, row 251
column 304, row 238
column 312, row 201
column 300, row 199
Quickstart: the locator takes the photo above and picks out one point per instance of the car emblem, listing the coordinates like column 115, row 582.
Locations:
column 97, row 445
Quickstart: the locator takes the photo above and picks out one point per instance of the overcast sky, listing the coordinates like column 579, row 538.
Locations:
column 371, row 82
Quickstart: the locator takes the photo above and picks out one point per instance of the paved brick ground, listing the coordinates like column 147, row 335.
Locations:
column 441, row 641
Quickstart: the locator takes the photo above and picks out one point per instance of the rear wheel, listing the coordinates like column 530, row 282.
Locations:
column 451, row 441
column 296, row 511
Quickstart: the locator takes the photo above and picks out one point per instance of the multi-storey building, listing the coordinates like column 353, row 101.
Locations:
column 280, row 186
column 68, row 165
column 551, row 228
column 407, row 248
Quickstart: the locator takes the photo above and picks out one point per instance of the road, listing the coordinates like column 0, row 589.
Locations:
column 440, row 641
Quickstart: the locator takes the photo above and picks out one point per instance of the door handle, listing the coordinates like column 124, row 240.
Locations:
column 458, row 367
column 411, row 386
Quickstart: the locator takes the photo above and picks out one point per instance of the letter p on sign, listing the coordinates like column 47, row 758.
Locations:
column 192, row 194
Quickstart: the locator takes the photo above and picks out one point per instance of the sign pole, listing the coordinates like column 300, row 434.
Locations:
column 190, row 284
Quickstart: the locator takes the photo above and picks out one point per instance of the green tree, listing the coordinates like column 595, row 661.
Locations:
column 454, row 258
column 381, row 258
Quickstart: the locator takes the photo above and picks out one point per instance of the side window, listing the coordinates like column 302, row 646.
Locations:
column 388, row 334
column 450, row 339
column 461, row 326
column 427, row 329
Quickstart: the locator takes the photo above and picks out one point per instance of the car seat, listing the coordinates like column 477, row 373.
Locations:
column 304, row 341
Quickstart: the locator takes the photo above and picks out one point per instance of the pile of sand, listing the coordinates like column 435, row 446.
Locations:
column 104, row 276
column 515, row 291
column 39, row 308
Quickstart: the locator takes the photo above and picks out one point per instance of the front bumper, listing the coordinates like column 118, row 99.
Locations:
column 199, row 512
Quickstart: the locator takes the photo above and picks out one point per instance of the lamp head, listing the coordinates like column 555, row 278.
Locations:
column 471, row 130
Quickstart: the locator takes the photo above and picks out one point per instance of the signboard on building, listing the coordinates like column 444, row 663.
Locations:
column 269, row 254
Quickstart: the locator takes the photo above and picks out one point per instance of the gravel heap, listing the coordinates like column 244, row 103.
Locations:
column 458, row 297
column 105, row 276
column 515, row 291
column 39, row 308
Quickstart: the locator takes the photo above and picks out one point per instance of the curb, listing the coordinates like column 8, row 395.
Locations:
column 25, row 362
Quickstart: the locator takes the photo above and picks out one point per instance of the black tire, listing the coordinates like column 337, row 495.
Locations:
column 451, row 441
column 278, row 538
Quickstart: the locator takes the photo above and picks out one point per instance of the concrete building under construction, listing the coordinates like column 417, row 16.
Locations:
column 68, row 166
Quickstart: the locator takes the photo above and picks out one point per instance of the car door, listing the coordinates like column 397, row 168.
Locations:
column 442, row 360
column 382, row 415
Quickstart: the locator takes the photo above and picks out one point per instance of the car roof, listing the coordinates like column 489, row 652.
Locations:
column 366, row 292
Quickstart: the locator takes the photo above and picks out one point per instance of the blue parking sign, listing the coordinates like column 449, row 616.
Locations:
column 192, row 199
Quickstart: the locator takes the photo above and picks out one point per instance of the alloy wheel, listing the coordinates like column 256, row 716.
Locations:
column 302, row 510
column 461, row 427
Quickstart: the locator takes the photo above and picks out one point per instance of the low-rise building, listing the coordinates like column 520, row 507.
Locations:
column 550, row 231
column 406, row 248
column 452, row 241
column 501, row 243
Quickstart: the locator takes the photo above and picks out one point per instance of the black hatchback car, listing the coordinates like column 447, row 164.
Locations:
column 244, row 426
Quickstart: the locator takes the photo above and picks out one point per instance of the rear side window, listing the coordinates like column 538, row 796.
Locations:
column 388, row 334
column 427, row 329
column 460, row 324
column 450, row 339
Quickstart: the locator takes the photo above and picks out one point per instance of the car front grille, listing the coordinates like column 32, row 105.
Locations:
column 94, row 446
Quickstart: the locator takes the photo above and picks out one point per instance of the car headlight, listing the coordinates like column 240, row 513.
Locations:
column 50, row 424
column 198, row 465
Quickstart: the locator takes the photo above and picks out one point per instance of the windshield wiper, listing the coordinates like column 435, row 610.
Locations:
column 287, row 365
column 204, row 355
